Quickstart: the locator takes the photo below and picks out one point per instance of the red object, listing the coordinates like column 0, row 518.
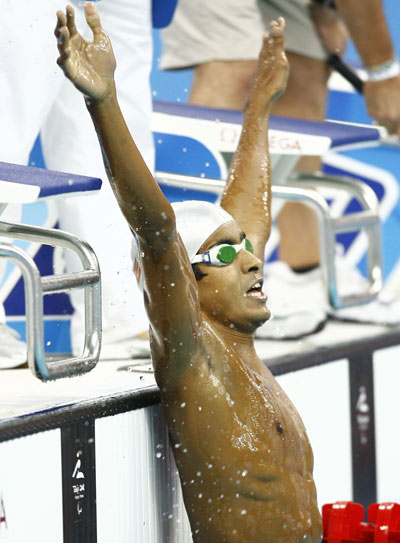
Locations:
column 386, row 518
column 343, row 522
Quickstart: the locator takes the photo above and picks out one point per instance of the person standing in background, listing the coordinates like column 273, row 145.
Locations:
column 221, row 41
column 37, row 98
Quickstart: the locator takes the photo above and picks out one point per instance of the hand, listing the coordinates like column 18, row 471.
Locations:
column 89, row 65
column 331, row 30
column 382, row 99
column 273, row 67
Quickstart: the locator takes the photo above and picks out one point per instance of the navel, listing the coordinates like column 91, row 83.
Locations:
column 279, row 427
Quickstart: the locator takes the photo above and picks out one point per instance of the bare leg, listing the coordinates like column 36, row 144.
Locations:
column 305, row 98
column 223, row 84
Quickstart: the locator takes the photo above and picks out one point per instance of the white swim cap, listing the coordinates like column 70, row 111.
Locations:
column 196, row 220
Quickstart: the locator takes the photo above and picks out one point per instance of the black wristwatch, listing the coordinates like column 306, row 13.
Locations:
column 326, row 3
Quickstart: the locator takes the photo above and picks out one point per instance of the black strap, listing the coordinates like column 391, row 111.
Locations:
column 327, row 3
column 335, row 62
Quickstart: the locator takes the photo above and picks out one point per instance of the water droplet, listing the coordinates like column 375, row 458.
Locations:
column 158, row 455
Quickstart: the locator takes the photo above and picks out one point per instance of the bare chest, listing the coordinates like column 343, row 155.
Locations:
column 228, row 410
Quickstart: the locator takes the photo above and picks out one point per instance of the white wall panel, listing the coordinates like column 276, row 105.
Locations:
column 387, row 422
column 30, row 489
column 138, row 492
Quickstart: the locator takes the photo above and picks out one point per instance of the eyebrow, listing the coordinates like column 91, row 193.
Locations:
column 228, row 241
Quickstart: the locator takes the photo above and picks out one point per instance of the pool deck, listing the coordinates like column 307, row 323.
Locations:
column 23, row 395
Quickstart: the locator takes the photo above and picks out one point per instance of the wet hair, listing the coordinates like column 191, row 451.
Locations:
column 197, row 273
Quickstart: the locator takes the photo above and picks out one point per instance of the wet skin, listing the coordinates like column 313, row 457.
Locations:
column 241, row 449
column 242, row 452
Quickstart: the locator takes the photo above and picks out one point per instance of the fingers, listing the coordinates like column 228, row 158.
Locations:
column 280, row 24
column 63, row 47
column 61, row 21
column 274, row 38
column 93, row 20
column 276, row 30
column 61, row 32
column 71, row 21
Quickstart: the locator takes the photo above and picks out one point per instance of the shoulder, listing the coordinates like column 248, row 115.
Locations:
column 182, row 364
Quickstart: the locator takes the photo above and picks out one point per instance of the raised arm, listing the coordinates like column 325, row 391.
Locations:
column 247, row 196
column 170, row 292
column 90, row 66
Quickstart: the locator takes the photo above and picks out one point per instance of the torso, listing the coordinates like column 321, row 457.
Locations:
column 242, row 452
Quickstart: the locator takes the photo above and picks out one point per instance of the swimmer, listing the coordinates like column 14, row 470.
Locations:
column 244, row 459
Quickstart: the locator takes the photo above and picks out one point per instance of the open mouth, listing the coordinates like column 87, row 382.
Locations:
column 255, row 291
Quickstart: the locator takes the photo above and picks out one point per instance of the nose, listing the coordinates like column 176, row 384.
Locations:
column 249, row 261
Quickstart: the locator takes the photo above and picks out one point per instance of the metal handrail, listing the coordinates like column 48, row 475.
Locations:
column 367, row 220
column 36, row 287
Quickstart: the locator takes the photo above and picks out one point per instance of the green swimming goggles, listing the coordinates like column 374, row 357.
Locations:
column 222, row 255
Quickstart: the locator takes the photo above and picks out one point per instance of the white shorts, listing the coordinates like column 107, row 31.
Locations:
column 217, row 30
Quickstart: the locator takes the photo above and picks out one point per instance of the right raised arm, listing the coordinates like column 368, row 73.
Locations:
column 170, row 288
column 90, row 66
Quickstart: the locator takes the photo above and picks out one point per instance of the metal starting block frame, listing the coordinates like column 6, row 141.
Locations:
column 22, row 184
column 366, row 220
column 298, row 189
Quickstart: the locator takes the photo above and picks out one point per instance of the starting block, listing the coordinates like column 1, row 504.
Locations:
column 343, row 522
column 21, row 185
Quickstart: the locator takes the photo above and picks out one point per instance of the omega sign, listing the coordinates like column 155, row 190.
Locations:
column 284, row 143
column 278, row 142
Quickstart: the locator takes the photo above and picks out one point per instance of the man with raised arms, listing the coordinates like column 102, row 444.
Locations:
column 243, row 456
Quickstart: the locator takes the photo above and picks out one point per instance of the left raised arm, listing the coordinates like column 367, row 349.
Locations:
column 247, row 196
